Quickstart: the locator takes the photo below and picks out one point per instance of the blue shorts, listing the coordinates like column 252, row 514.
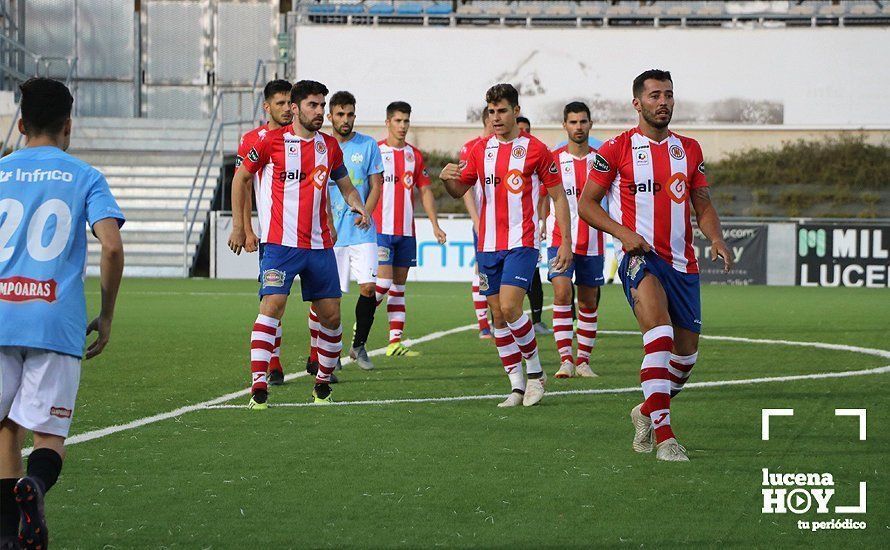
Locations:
column 682, row 289
column 587, row 270
column 514, row 267
column 396, row 250
column 317, row 268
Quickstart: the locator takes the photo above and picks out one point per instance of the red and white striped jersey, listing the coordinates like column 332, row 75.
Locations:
column 261, row 182
column 462, row 157
column 403, row 170
column 297, row 197
column 586, row 240
column 510, row 175
column 649, row 184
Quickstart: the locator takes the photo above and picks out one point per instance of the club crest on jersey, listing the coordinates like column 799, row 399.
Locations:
column 319, row 176
column 407, row 180
column 519, row 152
column 483, row 281
column 677, row 152
column 357, row 158
column 273, row 278
column 320, row 147
column 677, row 188
column 383, row 254
column 600, row 164
column 514, row 181
column 253, row 155
column 409, row 157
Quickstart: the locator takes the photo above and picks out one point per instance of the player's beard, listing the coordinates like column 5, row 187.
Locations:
column 650, row 119
column 580, row 140
column 283, row 119
column 311, row 124
column 344, row 129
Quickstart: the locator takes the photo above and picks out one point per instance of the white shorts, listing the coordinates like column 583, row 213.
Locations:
column 360, row 259
column 38, row 388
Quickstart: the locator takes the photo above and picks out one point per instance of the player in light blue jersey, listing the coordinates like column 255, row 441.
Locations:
column 47, row 197
column 355, row 248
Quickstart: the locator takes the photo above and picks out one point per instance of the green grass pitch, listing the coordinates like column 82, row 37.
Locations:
column 465, row 473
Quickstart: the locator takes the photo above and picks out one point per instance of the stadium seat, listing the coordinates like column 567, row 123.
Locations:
column 350, row 9
column 831, row 10
column 588, row 10
column 528, row 10
column 500, row 9
column 469, row 9
column 680, row 11
column 802, row 10
column 618, row 11
column 380, row 9
column 322, row 9
column 558, row 10
column 710, row 9
column 409, row 9
column 439, row 9
column 864, row 9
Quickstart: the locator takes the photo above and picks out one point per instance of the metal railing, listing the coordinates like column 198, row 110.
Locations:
column 42, row 66
column 214, row 153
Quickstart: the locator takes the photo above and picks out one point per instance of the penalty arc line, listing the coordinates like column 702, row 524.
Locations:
column 204, row 405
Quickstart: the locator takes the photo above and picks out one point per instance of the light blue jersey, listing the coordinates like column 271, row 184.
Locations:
column 47, row 197
column 361, row 156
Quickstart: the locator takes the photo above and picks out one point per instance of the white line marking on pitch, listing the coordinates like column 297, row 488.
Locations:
column 713, row 384
column 103, row 432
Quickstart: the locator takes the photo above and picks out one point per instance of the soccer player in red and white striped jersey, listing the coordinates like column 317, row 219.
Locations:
column 403, row 172
column 297, row 239
column 276, row 104
column 655, row 179
column 511, row 166
column 471, row 202
column 573, row 160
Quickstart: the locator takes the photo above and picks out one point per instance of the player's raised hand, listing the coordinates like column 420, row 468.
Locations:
column 103, row 327
column 441, row 237
column 634, row 243
column 450, row 172
column 719, row 249
column 237, row 238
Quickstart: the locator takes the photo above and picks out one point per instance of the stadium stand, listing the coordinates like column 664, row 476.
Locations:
column 594, row 13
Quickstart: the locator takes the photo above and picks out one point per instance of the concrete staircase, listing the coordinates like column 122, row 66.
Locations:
column 150, row 166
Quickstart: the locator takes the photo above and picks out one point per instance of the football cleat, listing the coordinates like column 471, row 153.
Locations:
column 485, row 334
column 322, row 394
column 534, row 390
column 566, row 370
column 311, row 367
column 670, row 450
column 397, row 349
column 29, row 497
column 643, row 434
column 512, row 400
column 259, row 400
column 276, row 378
column 360, row 355
column 541, row 328
column 583, row 370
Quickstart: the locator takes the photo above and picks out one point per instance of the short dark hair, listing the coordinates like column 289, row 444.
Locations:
column 306, row 88
column 651, row 74
column 575, row 107
column 46, row 106
column 525, row 120
column 276, row 87
column 341, row 98
column 502, row 91
column 398, row 106
column 484, row 114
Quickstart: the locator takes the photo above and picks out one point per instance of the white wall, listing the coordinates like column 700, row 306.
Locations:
column 833, row 76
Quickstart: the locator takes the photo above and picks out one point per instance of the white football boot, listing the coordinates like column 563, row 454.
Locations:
column 566, row 370
column 643, row 434
column 534, row 390
column 671, row 451
column 583, row 370
column 512, row 400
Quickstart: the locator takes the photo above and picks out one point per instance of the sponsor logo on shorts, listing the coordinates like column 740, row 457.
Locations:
column 518, row 152
column 60, row 412
column 383, row 254
column 253, row 155
column 677, row 188
column 677, row 152
column 634, row 265
column 518, row 278
column 24, row 289
column 273, row 278
column 483, row 281
column 600, row 164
